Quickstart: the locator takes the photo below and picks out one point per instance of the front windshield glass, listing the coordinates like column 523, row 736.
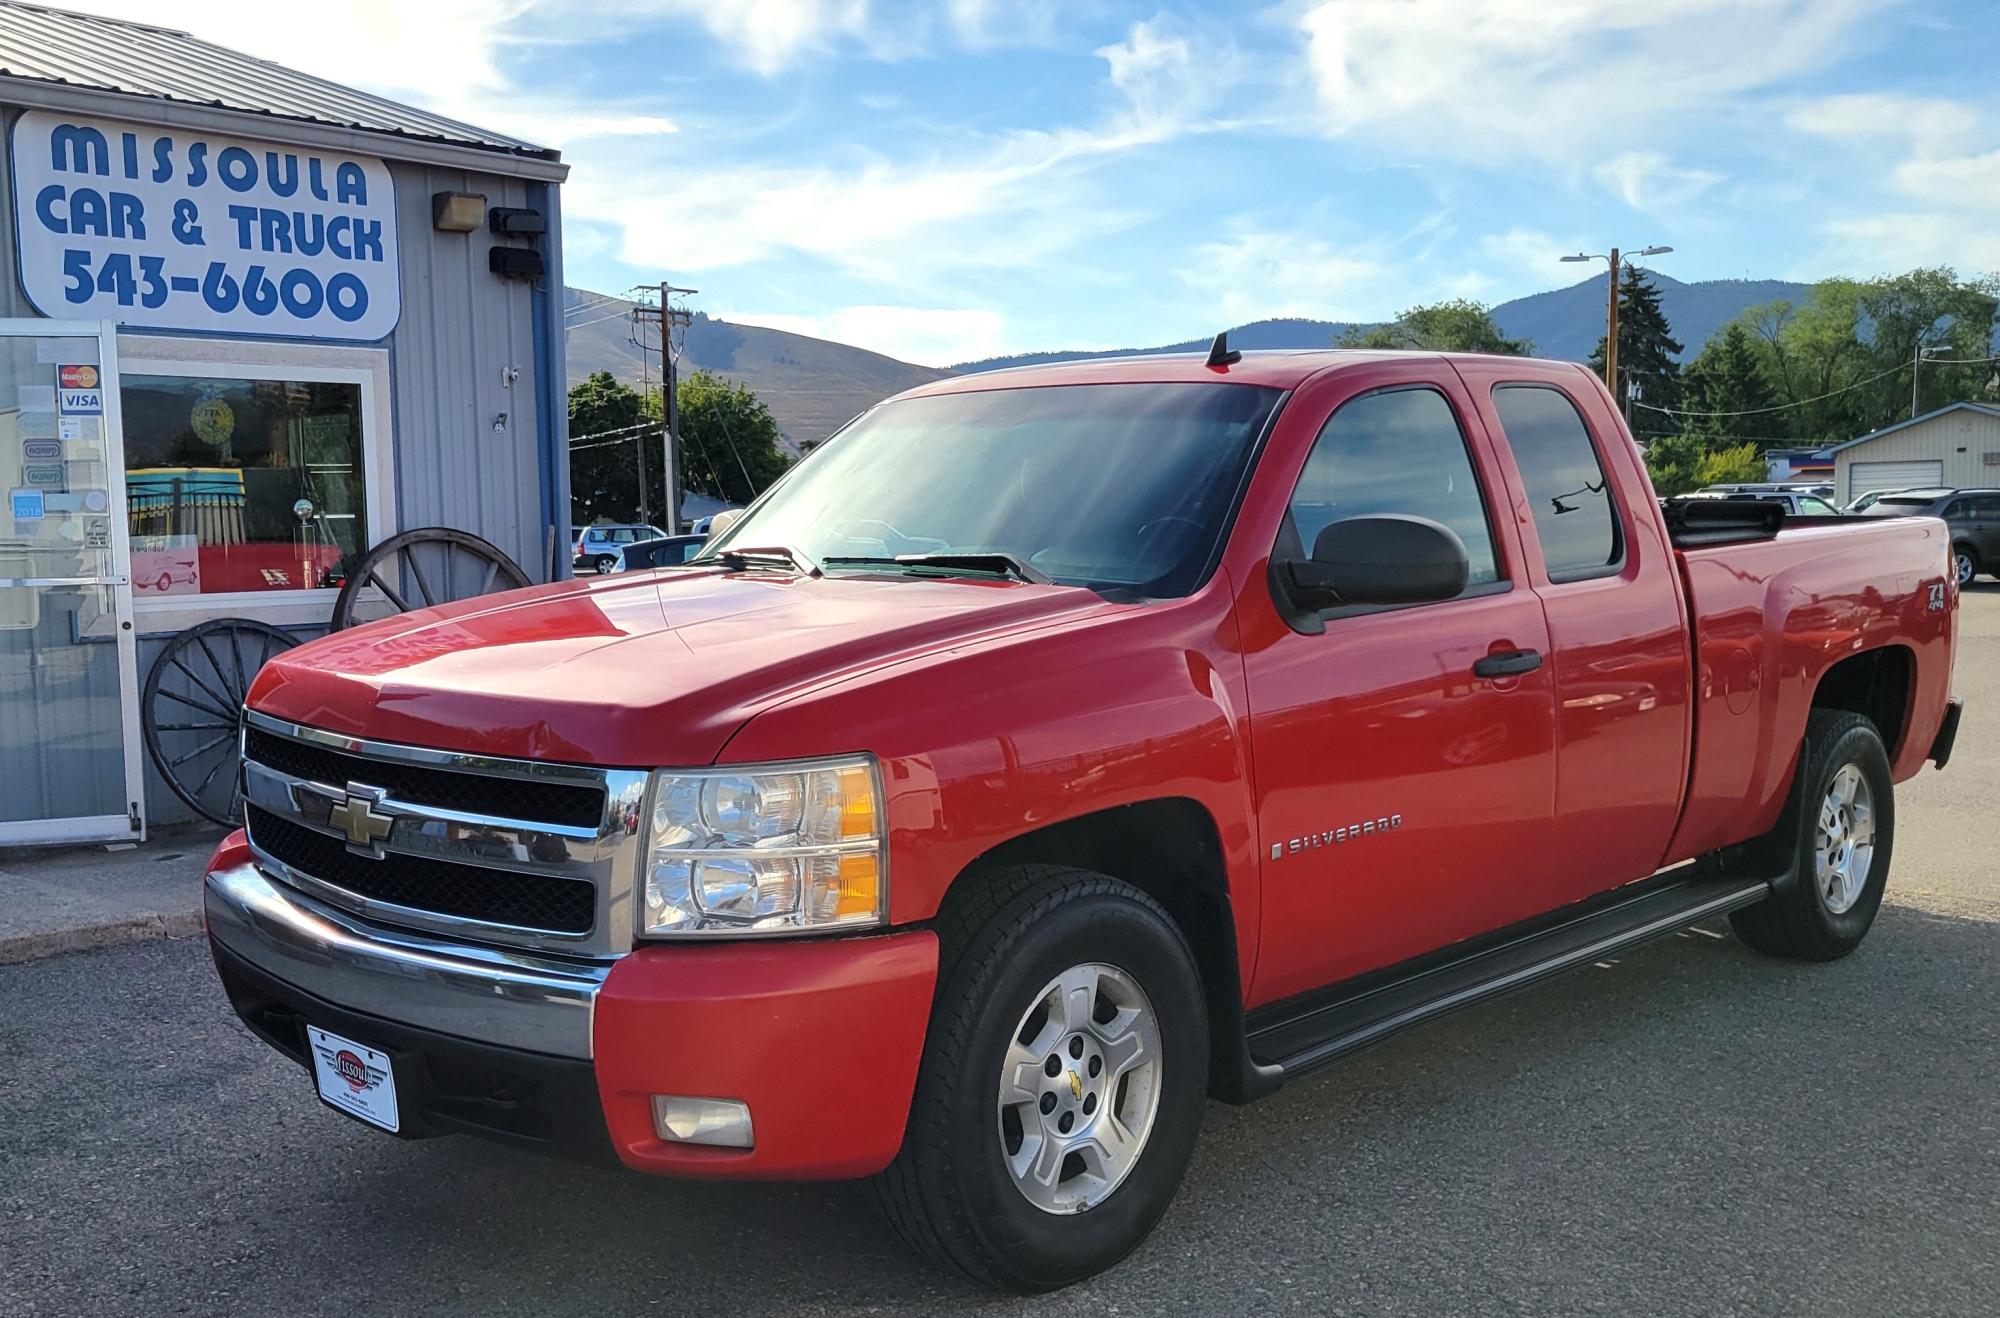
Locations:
column 1111, row 486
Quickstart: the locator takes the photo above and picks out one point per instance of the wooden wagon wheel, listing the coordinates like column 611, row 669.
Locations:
column 425, row 567
column 191, row 713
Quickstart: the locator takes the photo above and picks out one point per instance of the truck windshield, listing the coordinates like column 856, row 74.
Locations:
column 1110, row 486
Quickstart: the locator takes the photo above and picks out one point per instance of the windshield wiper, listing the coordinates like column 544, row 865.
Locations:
column 989, row 562
column 766, row 556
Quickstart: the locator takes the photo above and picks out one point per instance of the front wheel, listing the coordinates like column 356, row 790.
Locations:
column 1063, row 1081
column 1846, row 831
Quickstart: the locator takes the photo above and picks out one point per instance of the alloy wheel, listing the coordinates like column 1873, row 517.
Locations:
column 1844, row 840
column 1080, row 1088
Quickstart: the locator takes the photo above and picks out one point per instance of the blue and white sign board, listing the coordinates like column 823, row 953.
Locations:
column 169, row 229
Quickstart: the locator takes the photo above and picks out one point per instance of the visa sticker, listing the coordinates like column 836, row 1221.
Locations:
column 80, row 402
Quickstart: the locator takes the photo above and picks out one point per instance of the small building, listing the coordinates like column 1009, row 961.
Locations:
column 1956, row 447
column 1798, row 464
column 252, row 323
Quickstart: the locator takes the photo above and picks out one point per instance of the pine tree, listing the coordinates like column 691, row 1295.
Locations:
column 1726, row 376
column 1646, row 345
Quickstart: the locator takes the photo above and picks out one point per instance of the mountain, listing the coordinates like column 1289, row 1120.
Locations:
column 812, row 386
column 1565, row 323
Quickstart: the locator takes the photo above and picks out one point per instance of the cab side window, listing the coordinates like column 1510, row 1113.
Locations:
column 1399, row 451
column 1958, row 509
column 1567, row 493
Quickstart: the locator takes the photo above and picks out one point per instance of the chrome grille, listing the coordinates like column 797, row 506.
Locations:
column 519, row 852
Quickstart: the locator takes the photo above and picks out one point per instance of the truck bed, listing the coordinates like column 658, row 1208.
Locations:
column 1769, row 617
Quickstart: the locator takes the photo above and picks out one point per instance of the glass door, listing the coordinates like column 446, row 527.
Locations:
column 69, row 740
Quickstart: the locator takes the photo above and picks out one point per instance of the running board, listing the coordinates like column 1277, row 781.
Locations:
column 1311, row 1035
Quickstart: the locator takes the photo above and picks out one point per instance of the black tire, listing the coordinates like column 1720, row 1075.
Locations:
column 949, row 1192
column 604, row 563
column 1798, row 922
column 1965, row 561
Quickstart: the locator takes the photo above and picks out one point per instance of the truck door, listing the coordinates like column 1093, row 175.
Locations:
column 1403, row 756
column 1618, row 631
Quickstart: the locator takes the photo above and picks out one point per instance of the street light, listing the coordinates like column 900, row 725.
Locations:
column 1916, row 369
column 1611, row 315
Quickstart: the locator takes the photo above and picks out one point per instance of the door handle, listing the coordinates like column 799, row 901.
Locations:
column 1508, row 663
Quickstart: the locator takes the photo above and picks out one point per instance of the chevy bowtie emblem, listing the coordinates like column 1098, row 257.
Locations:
column 357, row 818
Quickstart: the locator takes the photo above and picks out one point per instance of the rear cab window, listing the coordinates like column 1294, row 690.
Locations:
column 1398, row 450
column 1571, row 503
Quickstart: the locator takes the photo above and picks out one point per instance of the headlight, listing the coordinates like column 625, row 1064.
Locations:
column 766, row 850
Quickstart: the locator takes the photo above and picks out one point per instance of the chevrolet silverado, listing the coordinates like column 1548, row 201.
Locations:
column 1053, row 751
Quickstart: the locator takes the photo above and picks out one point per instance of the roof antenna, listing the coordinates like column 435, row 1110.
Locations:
column 1221, row 354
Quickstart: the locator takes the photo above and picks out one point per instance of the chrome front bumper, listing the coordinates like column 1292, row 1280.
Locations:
column 488, row 995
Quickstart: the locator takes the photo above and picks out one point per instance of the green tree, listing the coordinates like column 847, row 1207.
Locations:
column 729, row 440
column 1841, row 360
column 1674, row 462
column 604, row 450
column 1727, row 376
column 1931, row 311
column 1647, row 348
column 1460, row 325
column 1740, row 462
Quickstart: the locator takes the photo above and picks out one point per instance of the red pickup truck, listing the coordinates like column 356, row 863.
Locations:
column 1058, row 749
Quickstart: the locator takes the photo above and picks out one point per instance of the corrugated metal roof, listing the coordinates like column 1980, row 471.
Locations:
column 82, row 50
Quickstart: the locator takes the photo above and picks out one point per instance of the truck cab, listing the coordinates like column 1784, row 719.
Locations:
column 1057, row 749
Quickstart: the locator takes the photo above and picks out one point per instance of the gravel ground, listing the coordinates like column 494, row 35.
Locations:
column 1691, row 1130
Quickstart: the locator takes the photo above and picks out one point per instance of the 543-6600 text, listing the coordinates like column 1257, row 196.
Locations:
column 260, row 291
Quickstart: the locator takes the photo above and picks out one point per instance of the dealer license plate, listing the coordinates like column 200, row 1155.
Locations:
column 353, row 1077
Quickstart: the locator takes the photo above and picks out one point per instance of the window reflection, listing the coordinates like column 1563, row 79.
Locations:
column 241, row 485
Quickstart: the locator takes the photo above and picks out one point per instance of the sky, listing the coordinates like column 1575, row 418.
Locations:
column 951, row 180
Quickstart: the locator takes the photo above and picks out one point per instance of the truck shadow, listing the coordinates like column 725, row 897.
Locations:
column 1594, row 1095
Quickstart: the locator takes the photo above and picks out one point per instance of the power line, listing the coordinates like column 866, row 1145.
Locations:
column 590, row 303
column 1781, row 407
column 621, row 430
column 613, row 316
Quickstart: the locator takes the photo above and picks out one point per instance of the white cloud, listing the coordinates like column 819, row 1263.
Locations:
column 1648, row 181
column 1011, row 201
column 1922, row 191
column 925, row 335
column 1862, row 118
column 1523, row 258
column 770, row 35
column 1492, row 80
column 1264, row 272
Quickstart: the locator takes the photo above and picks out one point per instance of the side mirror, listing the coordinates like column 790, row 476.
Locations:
column 1383, row 558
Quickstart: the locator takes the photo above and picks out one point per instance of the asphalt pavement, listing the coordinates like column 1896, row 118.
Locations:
column 1693, row 1129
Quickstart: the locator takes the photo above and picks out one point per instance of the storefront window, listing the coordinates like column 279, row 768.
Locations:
column 241, row 485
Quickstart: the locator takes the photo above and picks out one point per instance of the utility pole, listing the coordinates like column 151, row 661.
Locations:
column 1611, row 311
column 670, row 319
column 1917, row 355
column 1611, row 332
column 670, row 378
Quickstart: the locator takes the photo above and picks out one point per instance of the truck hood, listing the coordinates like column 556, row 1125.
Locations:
column 654, row 669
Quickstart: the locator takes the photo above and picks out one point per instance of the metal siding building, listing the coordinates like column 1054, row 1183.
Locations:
column 1956, row 447
column 461, row 405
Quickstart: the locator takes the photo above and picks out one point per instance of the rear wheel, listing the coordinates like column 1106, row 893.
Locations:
column 1846, row 831
column 1063, row 1082
column 1965, row 561
column 605, row 562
